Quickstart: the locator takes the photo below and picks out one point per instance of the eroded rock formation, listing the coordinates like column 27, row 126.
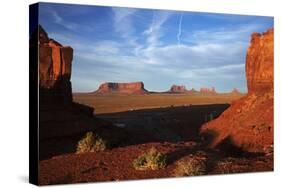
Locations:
column 61, row 121
column 208, row 90
column 54, row 71
column 177, row 89
column 259, row 62
column 121, row 88
column 248, row 123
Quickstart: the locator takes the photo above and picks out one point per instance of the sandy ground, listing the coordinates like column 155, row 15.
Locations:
column 119, row 103
column 169, row 123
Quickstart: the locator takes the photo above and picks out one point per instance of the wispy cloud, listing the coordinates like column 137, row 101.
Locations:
column 154, row 32
column 154, row 46
column 179, row 30
column 59, row 20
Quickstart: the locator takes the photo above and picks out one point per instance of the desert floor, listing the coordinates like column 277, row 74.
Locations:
column 168, row 122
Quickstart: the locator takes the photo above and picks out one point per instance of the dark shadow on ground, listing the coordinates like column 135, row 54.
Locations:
column 170, row 124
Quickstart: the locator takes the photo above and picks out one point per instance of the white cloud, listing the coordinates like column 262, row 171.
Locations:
column 153, row 32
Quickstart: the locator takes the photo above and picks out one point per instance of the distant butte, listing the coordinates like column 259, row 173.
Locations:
column 136, row 88
column 208, row 90
column 177, row 89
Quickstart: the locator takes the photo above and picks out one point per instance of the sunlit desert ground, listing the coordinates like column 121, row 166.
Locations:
column 120, row 103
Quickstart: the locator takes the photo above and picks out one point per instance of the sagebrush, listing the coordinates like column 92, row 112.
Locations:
column 190, row 167
column 91, row 143
column 153, row 160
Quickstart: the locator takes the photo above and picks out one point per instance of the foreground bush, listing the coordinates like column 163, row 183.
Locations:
column 153, row 160
column 190, row 167
column 91, row 143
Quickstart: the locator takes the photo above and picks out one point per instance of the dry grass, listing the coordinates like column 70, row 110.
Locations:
column 90, row 143
column 190, row 167
column 153, row 160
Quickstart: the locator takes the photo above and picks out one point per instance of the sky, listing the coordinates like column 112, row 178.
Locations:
column 157, row 47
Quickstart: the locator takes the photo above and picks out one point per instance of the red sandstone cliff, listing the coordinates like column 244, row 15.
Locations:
column 54, row 70
column 121, row 88
column 61, row 121
column 248, row 123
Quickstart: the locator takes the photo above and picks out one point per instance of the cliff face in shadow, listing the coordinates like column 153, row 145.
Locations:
column 61, row 121
column 248, row 123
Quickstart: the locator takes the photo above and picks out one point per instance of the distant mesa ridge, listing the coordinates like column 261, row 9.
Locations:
column 137, row 88
column 121, row 88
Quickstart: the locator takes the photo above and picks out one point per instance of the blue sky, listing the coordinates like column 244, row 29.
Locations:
column 158, row 47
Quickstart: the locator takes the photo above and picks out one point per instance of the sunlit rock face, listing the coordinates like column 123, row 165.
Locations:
column 259, row 62
column 54, row 70
column 248, row 123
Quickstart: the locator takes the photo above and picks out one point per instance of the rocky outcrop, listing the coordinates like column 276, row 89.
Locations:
column 177, row 89
column 56, row 107
column 259, row 62
column 208, row 90
column 248, row 123
column 61, row 121
column 131, row 88
column 54, row 71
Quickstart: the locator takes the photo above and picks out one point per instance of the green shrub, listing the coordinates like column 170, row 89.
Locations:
column 91, row 143
column 190, row 167
column 153, row 160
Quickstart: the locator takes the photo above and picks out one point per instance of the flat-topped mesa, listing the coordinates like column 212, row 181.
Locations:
column 259, row 62
column 130, row 88
column 54, row 70
column 208, row 90
column 177, row 89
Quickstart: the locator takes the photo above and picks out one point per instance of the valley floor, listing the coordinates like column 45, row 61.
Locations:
column 170, row 123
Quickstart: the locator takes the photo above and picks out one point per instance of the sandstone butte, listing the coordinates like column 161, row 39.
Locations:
column 248, row 123
column 208, row 90
column 121, row 88
column 59, row 115
column 177, row 89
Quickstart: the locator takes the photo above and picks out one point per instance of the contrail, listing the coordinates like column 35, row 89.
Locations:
column 179, row 31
